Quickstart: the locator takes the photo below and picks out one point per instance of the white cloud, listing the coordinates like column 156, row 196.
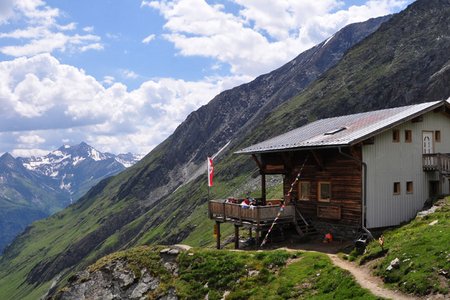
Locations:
column 45, row 103
column 6, row 10
column 148, row 39
column 129, row 74
column 94, row 46
column 41, row 32
column 108, row 80
column 30, row 138
column 29, row 152
column 263, row 34
column 88, row 28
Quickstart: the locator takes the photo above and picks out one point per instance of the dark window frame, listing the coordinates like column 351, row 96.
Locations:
column 397, row 188
column 300, row 194
column 408, row 136
column 437, row 136
column 409, row 187
column 319, row 191
column 395, row 136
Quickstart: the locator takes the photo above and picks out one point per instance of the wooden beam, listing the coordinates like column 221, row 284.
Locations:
column 257, row 237
column 287, row 161
column 260, row 166
column 354, row 151
column 317, row 158
column 236, row 236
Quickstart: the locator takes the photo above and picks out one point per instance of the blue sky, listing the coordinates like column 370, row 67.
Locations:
column 123, row 74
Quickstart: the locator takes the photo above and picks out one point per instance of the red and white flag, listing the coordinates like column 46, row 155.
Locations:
column 210, row 171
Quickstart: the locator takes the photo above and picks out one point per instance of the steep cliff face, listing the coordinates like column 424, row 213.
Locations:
column 146, row 204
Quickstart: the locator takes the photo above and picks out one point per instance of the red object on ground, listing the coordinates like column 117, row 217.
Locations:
column 328, row 237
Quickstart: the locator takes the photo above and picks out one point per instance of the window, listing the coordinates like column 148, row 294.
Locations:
column 409, row 187
column 396, row 136
column 324, row 191
column 396, row 188
column 408, row 136
column 437, row 136
column 304, row 190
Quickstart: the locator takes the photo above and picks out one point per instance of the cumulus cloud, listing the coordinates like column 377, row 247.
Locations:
column 262, row 34
column 45, row 103
column 41, row 31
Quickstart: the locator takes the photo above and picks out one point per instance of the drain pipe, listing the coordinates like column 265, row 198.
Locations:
column 364, row 193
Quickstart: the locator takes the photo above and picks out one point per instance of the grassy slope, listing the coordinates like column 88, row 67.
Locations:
column 280, row 274
column 423, row 251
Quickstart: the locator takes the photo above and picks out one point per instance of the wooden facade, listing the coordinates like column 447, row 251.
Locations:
column 342, row 172
column 339, row 170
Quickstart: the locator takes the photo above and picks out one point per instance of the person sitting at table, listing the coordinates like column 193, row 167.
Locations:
column 245, row 203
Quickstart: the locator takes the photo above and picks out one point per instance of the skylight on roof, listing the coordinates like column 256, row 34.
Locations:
column 334, row 131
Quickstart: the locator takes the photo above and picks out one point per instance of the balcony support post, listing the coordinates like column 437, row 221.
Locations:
column 217, row 234
column 236, row 236
column 263, row 188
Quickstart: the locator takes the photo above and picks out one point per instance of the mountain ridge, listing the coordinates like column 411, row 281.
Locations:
column 163, row 212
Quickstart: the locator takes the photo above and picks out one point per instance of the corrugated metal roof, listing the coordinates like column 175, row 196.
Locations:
column 342, row 131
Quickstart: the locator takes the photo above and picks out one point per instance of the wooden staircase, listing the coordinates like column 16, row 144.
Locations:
column 302, row 225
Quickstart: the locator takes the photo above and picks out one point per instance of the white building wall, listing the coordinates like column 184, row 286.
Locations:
column 389, row 162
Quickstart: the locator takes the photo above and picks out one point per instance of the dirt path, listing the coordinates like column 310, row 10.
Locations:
column 367, row 281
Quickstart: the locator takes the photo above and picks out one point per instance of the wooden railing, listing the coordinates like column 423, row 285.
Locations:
column 223, row 211
column 436, row 162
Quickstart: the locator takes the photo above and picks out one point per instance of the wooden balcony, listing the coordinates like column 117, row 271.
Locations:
column 437, row 162
column 258, row 216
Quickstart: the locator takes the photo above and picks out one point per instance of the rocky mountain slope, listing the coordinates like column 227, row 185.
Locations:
column 152, row 202
column 36, row 187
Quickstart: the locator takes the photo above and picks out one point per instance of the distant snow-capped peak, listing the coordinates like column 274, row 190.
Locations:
column 72, row 156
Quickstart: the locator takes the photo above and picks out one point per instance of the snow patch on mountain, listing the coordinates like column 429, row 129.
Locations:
column 72, row 166
column 77, row 160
